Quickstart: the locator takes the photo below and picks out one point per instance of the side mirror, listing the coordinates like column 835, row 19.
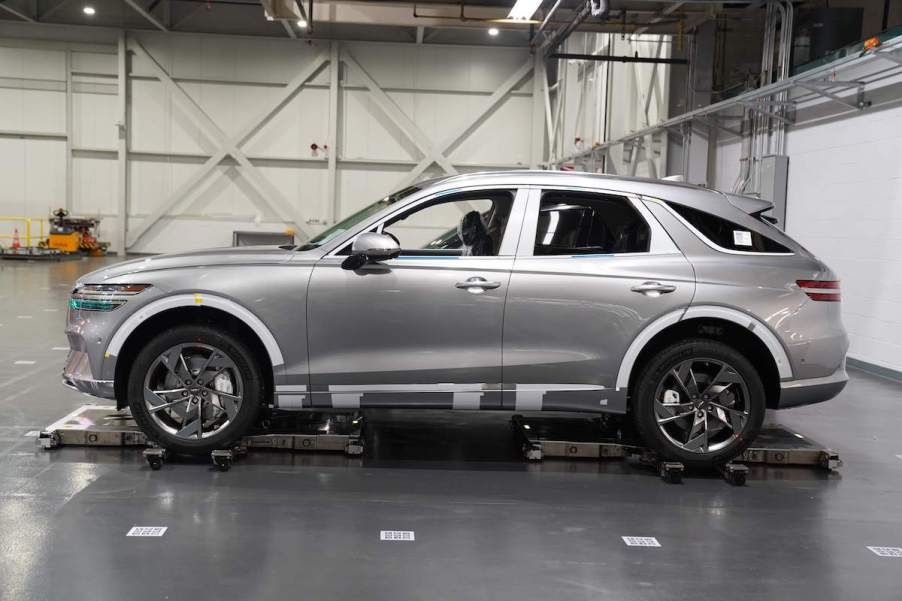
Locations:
column 371, row 247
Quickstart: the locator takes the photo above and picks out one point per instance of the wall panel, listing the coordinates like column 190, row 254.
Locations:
column 232, row 79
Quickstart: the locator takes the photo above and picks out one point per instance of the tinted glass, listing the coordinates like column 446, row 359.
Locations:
column 349, row 222
column 726, row 234
column 469, row 224
column 573, row 223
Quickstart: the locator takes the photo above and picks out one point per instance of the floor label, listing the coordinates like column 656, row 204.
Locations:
column 641, row 541
column 887, row 551
column 406, row 535
column 147, row 531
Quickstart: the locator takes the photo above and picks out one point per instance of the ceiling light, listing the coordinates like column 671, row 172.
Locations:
column 493, row 31
column 88, row 10
column 524, row 9
column 302, row 23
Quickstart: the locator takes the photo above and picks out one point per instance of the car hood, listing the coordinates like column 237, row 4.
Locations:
column 244, row 255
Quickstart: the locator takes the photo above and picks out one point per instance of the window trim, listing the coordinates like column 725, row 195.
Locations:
column 511, row 232
column 660, row 242
column 710, row 243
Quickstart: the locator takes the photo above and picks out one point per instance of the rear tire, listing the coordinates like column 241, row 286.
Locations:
column 193, row 389
column 699, row 401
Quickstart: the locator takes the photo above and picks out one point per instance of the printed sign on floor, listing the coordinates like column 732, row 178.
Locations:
column 887, row 551
column 147, row 531
column 640, row 541
column 402, row 535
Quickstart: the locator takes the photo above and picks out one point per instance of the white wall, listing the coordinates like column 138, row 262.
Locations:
column 606, row 100
column 844, row 203
column 231, row 79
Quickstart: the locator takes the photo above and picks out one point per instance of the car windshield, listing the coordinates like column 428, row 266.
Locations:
column 346, row 224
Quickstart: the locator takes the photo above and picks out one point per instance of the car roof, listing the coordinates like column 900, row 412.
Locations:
column 683, row 193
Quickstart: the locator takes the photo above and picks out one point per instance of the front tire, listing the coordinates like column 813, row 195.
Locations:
column 700, row 402
column 193, row 389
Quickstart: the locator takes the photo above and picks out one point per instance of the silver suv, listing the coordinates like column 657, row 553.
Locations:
column 679, row 306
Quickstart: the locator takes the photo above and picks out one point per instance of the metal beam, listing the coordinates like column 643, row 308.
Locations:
column 16, row 12
column 394, row 112
column 760, row 109
column 487, row 108
column 289, row 29
column 332, row 137
column 122, row 145
column 537, row 140
column 69, row 129
column 659, row 16
column 618, row 59
column 149, row 17
column 762, row 93
column 228, row 146
column 557, row 38
column 50, row 11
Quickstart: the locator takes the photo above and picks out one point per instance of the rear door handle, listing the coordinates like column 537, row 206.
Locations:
column 477, row 285
column 653, row 288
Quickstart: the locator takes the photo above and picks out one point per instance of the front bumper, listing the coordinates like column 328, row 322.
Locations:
column 77, row 375
column 795, row 393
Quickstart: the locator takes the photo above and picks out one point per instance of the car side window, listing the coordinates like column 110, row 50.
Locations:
column 580, row 223
column 465, row 224
column 725, row 233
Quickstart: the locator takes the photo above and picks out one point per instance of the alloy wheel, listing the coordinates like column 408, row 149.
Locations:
column 193, row 390
column 702, row 405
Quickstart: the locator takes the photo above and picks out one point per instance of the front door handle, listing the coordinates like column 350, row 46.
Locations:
column 653, row 289
column 477, row 285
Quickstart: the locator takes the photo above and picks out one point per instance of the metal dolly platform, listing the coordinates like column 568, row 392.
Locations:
column 597, row 438
column 105, row 426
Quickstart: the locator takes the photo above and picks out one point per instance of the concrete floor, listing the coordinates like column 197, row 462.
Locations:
column 488, row 526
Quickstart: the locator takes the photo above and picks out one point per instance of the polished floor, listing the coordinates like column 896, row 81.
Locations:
column 487, row 525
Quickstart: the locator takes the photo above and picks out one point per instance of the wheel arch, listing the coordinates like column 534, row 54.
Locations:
column 741, row 331
column 187, row 309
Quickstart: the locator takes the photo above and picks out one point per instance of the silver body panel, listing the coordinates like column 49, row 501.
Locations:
column 557, row 332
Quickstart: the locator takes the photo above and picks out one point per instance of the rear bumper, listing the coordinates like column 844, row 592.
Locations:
column 77, row 375
column 794, row 393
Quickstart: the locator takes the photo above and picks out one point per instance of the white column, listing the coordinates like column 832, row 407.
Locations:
column 332, row 141
column 122, row 154
column 537, row 142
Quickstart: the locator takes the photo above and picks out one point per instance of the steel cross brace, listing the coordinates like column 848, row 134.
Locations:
column 433, row 153
column 822, row 88
column 227, row 146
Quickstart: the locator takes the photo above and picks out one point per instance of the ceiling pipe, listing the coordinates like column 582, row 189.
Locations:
column 557, row 38
column 618, row 59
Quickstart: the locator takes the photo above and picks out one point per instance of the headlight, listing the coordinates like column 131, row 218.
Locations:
column 103, row 297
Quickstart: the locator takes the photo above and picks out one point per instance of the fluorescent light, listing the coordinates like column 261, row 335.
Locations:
column 302, row 23
column 493, row 31
column 88, row 10
column 524, row 9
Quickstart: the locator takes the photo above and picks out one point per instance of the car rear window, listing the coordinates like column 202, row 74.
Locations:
column 726, row 234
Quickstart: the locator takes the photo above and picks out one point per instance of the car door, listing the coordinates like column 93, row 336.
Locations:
column 423, row 329
column 592, row 270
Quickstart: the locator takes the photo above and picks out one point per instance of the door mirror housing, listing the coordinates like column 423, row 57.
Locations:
column 371, row 247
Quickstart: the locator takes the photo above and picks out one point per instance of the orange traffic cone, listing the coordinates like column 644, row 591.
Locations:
column 16, row 243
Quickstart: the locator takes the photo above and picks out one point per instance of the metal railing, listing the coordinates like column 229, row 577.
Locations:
column 26, row 234
column 810, row 85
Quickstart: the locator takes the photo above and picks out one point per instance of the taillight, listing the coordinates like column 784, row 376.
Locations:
column 820, row 290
